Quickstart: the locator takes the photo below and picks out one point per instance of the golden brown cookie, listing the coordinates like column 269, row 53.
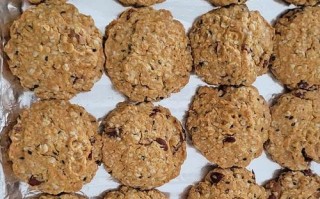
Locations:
column 226, row 2
column 55, row 51
column 231, row 45
column 143, row 146
column 294, row 137
column 296, row 60
column 61, row 196
column 131, row 193
column 228, row 184
column 148, row 57
column 139, row 3
column 294, row 184
column 228, row 125
column 303, row 2
column 55, row 147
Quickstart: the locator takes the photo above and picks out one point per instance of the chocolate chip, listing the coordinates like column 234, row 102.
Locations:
column 216, row 177
column 34, row 181
column 29, row 152
column 46, row 58
column 90, row 156
column 201, row 64
column 303, row 84
column 306, row 157
column 163, row 144
column 112, row 133
column 299, row 94
column 229, row 139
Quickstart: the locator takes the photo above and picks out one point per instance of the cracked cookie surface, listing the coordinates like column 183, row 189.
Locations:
column 147, row 52
column 228, row 184
column 55, row 147
column 143, row 145
column 131, row 193
column 231, row 45
column 140, row 2
column 55, row 51
column 296, row 60
column 228, row 125
column 294, row 136
column 226, row 2
column 294, row 184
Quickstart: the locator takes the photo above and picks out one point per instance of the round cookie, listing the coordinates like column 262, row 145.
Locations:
column 231, row 45
column 61, row 196
column 55, row 51
column 226, row 2
column 139, row 3
column 55, row 147
column 228, row 184
column 294, row 137
column 294, row 184
column 303, row 2
column 129, row 193
column 143, row 146
column 147, row 52
column 296, row 60
column 228, row 125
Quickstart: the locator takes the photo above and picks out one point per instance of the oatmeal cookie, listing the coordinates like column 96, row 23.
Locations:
column 228, row 125
column 231, row 45
column 147, row 52
column 294, row 137
column 143, row 146
column 296, row 60
column 228, row 184
column 294, row 184
column 139, row 3
column 129, row 193
column 55, row 51
column 55, row 147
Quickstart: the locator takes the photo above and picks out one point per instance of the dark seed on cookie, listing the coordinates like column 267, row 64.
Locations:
column 163, row 144
column 34, row 181
column 216, row 177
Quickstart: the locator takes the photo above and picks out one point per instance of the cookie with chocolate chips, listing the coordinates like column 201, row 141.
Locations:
column 228, row 184
column 231, row 45
column 148, row 56
column 294, row 184
column 139, row 3
column 294, row 136
column 125, row 192
column 143, row 146
column 55, row 51
column 296, row 59
column 228, row 125
column 55, row 147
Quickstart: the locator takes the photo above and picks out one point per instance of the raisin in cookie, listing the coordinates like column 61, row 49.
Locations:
column 231, row 45
column 140, row 2
column 129, row 193
column 226, row 2
column 296, row 60
column 228, row 184
column 61, row 196
column 143, row 146
column 294, row 184
column 147, row 54
column 294, row 137
column 55, row 147
column 55, row 51
column 228, row 125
